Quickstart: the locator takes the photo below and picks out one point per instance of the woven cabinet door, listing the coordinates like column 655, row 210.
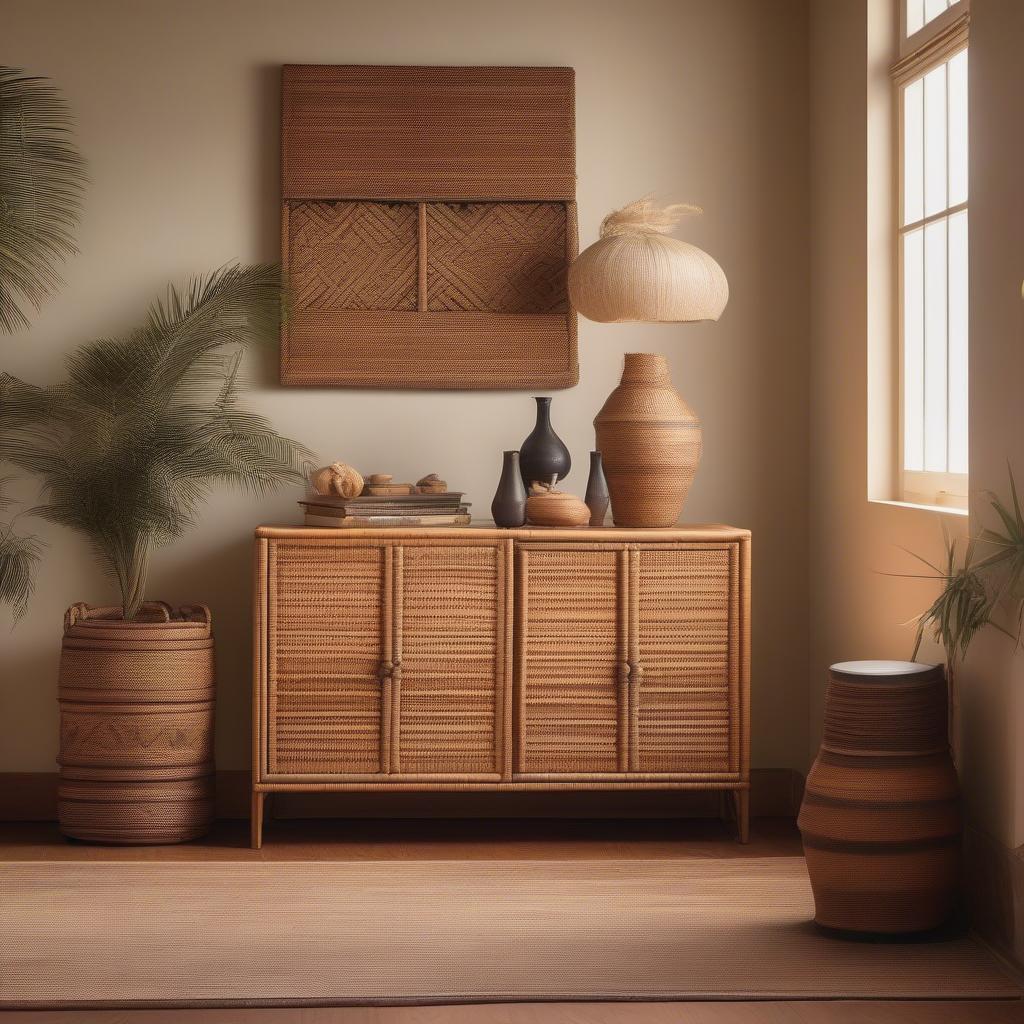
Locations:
column 449, row 678
column 684, row 692
column 571, row 650
column 327, row 639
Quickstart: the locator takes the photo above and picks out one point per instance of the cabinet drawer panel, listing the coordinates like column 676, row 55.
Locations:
column 683, row 600
column 325, row 638
column 451, row 629
column 570, row 650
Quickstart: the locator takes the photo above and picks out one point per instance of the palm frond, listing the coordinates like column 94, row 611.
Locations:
column 1008, row 556
column 42, row 178
column 132, row 443
column 19, row 555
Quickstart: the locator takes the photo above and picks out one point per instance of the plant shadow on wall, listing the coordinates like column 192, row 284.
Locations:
column 130, row 444
column 982, row 585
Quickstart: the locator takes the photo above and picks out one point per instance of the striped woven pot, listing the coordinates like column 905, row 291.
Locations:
column 881, row 820
column 136, row 725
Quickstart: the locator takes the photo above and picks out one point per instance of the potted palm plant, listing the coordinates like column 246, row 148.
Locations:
column 127, row 448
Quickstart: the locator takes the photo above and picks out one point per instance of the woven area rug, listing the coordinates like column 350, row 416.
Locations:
column 330, row 933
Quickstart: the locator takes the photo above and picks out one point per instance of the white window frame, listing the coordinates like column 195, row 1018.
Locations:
column 935, row 43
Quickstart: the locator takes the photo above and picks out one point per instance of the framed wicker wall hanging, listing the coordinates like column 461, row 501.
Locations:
column 428, row 222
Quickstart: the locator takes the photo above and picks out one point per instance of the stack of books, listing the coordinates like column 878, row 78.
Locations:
column 446, row 509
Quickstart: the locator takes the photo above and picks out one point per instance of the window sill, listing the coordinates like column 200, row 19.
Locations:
column 947, row 510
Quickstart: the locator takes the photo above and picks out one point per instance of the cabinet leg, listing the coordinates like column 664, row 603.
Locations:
column 741, row 806
column 256, row 820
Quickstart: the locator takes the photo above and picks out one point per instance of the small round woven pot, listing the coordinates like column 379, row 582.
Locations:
column 650, row 442
column 136, row 725
column 881, row 819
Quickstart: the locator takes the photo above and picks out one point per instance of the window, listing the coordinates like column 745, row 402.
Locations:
column 931, row 104
column 921, row 12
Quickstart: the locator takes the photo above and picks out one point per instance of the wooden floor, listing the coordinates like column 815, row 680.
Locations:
column 486, row 839
column 561, row 1013
column 430, row 839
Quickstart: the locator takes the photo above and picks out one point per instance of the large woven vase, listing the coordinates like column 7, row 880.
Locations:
column 881, row 817
column 136, row 725
column 650, row 441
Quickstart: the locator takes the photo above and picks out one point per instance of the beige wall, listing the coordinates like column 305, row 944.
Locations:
column 178, row 113
column 855, row 612
column 993, row 690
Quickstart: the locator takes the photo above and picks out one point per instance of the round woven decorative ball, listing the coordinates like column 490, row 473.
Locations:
column 881, row 818
column 136, row 725
column 636, row 272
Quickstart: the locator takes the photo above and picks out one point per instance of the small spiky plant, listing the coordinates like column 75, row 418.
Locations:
column 132, row 442
column 42, row 177
column 963, row 606
column 1008, row 556
column 972, row 591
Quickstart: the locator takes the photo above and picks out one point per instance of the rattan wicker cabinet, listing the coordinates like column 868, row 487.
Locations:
column 469, row 659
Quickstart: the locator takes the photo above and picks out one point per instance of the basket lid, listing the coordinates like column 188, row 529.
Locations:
column 883, row 671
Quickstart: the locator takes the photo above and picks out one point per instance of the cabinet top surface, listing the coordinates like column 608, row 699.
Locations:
column 695, row 532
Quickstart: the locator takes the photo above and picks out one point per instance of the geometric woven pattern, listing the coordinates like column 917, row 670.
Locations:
column 353, row 256
column 498, row 257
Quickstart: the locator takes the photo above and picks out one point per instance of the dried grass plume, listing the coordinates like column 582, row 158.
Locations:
column 643, row 216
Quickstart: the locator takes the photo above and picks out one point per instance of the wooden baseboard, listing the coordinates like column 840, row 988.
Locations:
column 995, row 892
column 775, row 793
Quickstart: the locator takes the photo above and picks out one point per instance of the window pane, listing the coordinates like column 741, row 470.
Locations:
column 913, row 152
column 958, row 128
column 958, row 343
column 935, row 140
column 933, row 8
column 913, row 350
column 915, row 16
column 935, row 309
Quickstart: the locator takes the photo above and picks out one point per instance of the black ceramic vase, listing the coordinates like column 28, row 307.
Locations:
column 543, row 455
column 597, row 491
column 509, row 505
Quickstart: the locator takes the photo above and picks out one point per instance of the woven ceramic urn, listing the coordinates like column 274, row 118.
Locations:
column 136, row 725
column 881, row 818
column 650, row 441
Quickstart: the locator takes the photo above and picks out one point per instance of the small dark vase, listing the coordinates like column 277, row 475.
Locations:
column 543, row 455
column 509, row 505
column 597, row 491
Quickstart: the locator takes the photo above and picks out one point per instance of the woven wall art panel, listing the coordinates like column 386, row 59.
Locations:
column 428, row 222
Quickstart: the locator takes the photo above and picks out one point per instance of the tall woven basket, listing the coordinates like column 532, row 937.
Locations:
column 136, row 725
column 881, row 818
